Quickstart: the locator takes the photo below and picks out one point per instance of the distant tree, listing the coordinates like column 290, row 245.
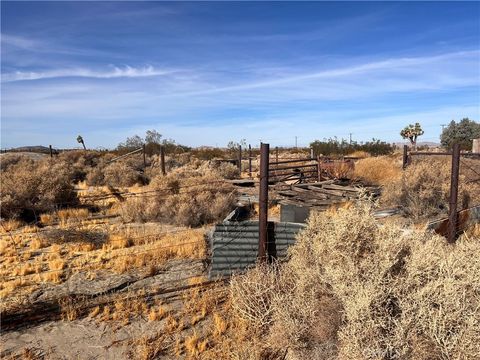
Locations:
column 152, row 141
column 462, row 133
column 333, row 146
column 132, row 143
column 152, row 137
column 412, row 132
column 80, row 141
column 233, row 147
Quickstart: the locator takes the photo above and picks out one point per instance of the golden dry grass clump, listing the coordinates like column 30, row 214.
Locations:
column 359, row 154
column 183, row 197
column 380, row 170
column 353, row 289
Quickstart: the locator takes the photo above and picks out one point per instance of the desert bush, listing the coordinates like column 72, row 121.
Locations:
column 227, row 171
column 207, row 153
column 424, row 187
column 121, row 174
column 95, row 176
column 184, row 197
column 10, row 159
column 339, row 170
column 377, row 170
column 353, row 289
column 29, row 188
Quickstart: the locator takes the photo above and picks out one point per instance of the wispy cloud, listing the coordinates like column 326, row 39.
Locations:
column 113, row 72
column 403, row 67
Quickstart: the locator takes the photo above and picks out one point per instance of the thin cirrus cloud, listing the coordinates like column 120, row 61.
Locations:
column 113, row 72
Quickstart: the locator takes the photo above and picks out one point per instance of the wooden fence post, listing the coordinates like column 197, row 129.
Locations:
column 249, row 160
column 240, row 158
column 405, row 157
column 51, row 151
column 144, row 157
column 263, row 203
column 453, row 215
column 162, row 160
column 319, row 169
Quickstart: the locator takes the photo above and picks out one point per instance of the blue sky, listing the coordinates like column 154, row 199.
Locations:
column 205, row 73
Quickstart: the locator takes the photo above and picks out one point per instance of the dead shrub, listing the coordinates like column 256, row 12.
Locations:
column 377, row 170
column 182, row 197
column 121, row 174
column 95, row 176
column 29, row 188
column 10, row 159
column 424, row 187
column 353, row 289
column 338, row 169
column 360, row 154
column 226, row 170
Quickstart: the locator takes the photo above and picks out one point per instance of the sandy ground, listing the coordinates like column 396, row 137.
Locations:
column 94, row 338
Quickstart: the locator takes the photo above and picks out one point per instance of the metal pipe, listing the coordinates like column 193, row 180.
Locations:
column 292, row 167
column 290, row 161
column 452, row 217
column 263, row 203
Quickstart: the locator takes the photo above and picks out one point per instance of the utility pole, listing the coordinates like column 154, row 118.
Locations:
column 350, row 138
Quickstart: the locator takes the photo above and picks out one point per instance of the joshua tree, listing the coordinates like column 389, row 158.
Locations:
column 80, row 141
column 412, row 132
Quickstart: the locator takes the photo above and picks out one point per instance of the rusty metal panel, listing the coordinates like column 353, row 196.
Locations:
column 465, row 218
column 234, row 245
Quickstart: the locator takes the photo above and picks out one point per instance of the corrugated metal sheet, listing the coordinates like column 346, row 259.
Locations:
column 234, row 245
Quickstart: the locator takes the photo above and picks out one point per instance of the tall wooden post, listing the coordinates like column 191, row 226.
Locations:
column 240, row 158
column 453, row 215
column 144, row 157
column 263, row 203
column 162, row 160
column 405, row 156
column 249, row 160
column 51, row 151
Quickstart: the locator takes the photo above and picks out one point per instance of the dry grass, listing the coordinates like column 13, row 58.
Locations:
column 32, row 187
column 356, row 290
column 380, row 170
column 72, row 216
column 10, row 225
column 360, row 154
column 424, row 187
column 184, row 197
column 338, row 169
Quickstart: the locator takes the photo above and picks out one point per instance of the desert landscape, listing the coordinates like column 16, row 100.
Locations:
column 116, row 256
column 239, row 180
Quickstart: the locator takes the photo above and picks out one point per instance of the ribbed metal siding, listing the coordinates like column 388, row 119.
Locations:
column 234, row 245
